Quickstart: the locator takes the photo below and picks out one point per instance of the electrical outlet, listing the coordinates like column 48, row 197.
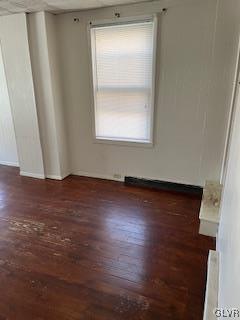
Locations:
column 117, row 176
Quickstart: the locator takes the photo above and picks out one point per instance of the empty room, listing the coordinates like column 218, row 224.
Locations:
column 119, row 159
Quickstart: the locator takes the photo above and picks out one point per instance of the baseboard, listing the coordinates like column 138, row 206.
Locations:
column 41, row 176
column 157, row 184
column 32, row 175
column 164, row 185
column 211, row 296
column 56, row 177
column 97, row 175
column 10, row 164
column 208, row 228
column 210, row 208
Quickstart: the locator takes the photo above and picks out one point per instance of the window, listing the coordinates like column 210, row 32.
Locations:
column 123, row 64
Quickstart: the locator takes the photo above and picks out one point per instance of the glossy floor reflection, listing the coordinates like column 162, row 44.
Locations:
column 93, row 249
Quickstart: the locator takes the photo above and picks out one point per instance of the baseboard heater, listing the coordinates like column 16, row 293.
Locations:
column 163, row 185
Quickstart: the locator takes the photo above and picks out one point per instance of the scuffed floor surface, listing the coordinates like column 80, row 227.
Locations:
column 94, row 249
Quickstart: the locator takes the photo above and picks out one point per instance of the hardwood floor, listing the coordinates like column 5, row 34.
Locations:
column 92, row 249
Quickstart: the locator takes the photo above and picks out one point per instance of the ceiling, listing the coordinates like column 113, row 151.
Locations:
column 56, row 6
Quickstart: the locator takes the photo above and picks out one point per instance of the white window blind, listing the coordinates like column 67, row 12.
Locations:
column 122, row 59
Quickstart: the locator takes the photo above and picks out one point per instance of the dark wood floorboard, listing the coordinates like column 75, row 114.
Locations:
column 83, row 249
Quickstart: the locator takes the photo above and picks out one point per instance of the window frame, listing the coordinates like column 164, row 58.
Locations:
column 112, row 22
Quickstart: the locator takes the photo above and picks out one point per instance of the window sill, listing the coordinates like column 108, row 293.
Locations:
column 124, row 143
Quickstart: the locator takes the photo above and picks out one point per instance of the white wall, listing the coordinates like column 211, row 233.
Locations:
column 195, row 61
column 222, row 73
column 15, row 48
column 229, row 233
column 8, row 147
column 44, row 57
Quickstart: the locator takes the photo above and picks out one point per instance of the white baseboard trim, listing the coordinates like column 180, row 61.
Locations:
column 211, row 296
column 210, row 208
column 208, row 228
column 32, row 175
column 97, row 175
column 10, row 164
column 111, row 177
column 56, row 177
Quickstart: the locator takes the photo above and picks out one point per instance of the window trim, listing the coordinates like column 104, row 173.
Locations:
column 112, row 22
